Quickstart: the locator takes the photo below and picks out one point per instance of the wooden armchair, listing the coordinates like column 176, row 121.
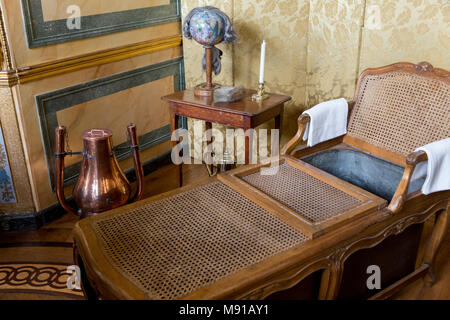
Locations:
column 396, row 109
column 308, row 230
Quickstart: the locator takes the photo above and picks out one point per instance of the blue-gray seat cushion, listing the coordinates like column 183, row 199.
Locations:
column 370, row 173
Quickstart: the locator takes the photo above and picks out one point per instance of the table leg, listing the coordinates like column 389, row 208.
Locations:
column 174, row 121
column 208, row 126
column 248, row 145
column 279, row 122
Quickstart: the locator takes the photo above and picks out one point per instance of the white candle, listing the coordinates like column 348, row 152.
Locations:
column 262, row 62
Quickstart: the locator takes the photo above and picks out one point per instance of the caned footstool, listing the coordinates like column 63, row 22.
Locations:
column 246, row 234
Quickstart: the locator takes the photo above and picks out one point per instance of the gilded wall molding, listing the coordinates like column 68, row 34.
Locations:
column 41, row 71
column 8, row 76
column 6, row 62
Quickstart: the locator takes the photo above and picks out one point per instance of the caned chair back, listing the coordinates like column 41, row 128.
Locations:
column 401, row 107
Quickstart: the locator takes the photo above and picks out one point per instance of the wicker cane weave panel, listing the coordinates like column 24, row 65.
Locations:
column 401, row 111
column 176, row 245
column 312, row 198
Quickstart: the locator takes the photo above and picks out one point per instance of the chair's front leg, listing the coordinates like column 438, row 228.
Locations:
column 401, row 193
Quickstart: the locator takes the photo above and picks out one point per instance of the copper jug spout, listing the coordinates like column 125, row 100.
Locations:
column 101, row 184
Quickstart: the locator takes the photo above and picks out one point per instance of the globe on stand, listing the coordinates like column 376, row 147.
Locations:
column 209, row 26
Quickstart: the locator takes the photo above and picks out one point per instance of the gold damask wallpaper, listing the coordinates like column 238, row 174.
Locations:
column 317, row 48
column 284, row 26
column 333, row 49
column 410, row 30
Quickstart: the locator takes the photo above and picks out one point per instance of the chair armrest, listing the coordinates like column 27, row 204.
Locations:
column 303, row 120
column 401, row 193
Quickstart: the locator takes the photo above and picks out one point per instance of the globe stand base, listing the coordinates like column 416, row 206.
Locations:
column 203, row 90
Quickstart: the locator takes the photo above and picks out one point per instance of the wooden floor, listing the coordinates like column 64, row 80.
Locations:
column 50, row 248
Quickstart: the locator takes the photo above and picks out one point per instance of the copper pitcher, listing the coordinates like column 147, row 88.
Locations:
column 101, row 185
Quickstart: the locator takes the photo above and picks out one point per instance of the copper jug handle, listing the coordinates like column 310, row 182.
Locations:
column 137, row 161
column 59, row 165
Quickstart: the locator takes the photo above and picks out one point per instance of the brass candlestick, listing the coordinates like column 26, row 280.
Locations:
column 261, row 94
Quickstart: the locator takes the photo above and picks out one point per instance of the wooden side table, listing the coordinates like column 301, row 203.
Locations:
column 245, row 113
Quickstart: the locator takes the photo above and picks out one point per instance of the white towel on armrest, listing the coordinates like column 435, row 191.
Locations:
column 436, row 169
column 328, row 121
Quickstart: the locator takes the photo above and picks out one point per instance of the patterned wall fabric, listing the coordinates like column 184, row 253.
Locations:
column 317, row 48
column 410, row 30
column 284, row 26
column 333, row 47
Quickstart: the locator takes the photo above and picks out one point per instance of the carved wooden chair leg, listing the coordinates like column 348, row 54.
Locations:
column 324, row 283
column 435, row 241
column 331, row 282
